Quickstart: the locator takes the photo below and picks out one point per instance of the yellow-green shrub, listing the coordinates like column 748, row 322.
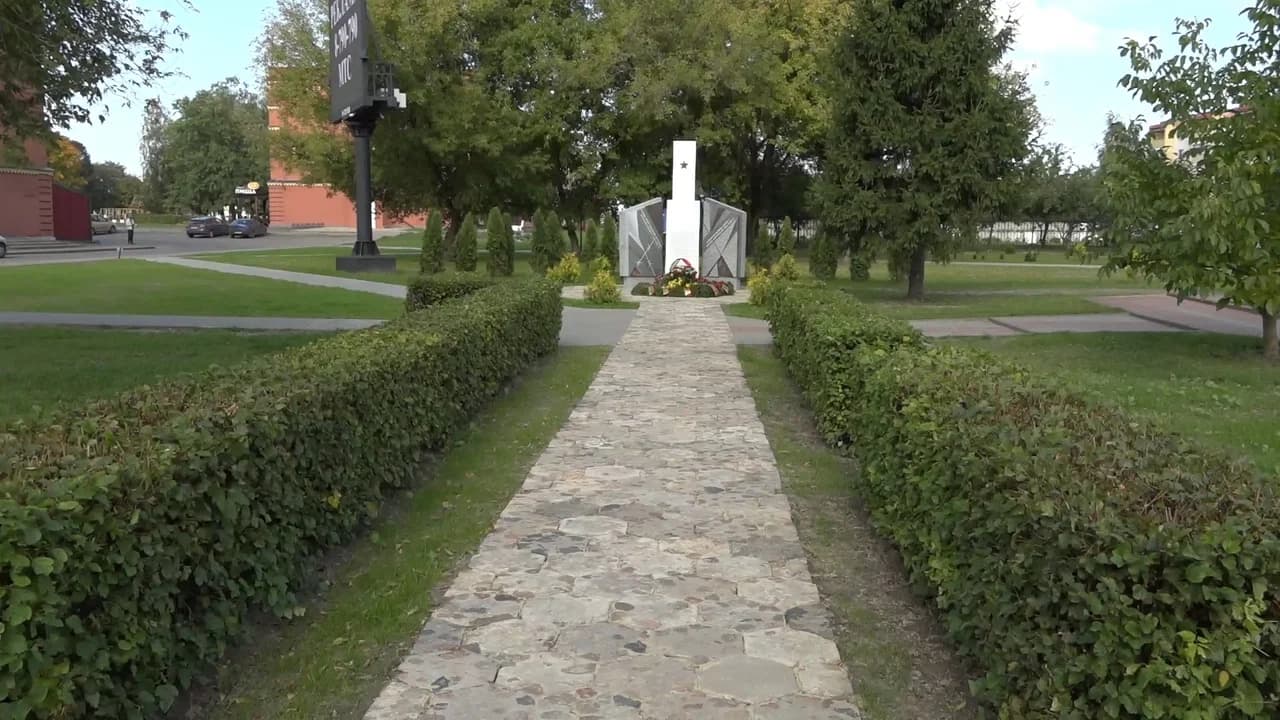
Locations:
column 567, row 271
column 603, row 288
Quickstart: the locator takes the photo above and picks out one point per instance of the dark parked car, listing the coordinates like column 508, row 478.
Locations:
column 4, row 249
column 247, row 227
column 208, row 226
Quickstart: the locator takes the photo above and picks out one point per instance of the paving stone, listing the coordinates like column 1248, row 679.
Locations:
column 438, row 635
column 653, row 612
column 695, row 706
column 811, row 618
column 502, row 561
column 747, row 679
column 449, row 669
column 488, row 702
column 399, row 701
column 530, row 584
column 511, row 638
column 602, row 641
column 801, row 707
column 699, row 643
column 547, row 674
column 562, row 610
column 782, row 594
column 734, row 568
column 644, row 677
column 790, row 647
column 647, row 569
column 824, row 680
column 593, row 525
column 696, row 548
column 476, row 609
column 694, row 590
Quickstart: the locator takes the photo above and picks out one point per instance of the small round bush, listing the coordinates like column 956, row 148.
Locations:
column 703, row 290
column 603, row 288
column 760, row 285
column 643, row 288
column 786, row 268
column 566, row 271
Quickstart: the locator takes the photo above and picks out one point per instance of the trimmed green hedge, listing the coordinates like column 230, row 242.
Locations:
column 1091, row 565
column 819, row 335
column 427, row 290
column 136, row 534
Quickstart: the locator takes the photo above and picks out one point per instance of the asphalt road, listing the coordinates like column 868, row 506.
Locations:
column 166, row 241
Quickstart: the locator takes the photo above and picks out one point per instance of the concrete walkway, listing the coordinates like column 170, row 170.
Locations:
column 749, row 331
column 183, row 322
column 580, row 326
column 648, row 568
column 368, row 286
column 1188, row 315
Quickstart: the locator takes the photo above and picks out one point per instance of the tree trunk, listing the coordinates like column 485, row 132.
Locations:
column 575, row 245
column 915, row 277
column 1270, row 341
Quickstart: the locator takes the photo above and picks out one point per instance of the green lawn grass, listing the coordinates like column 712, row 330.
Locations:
column 961, row 306
column 897, row 656
column 320, row 261
column 335, row 659
column 977, row 291
column 48, row 366
column 1212, row 387
column 145, row 288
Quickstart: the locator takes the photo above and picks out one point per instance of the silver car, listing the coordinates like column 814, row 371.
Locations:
column 102, row 225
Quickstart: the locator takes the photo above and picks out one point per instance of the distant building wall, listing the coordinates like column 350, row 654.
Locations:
column 26, row 192
column 295, row 203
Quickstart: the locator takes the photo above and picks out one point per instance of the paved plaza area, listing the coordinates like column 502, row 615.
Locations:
column 648, row 567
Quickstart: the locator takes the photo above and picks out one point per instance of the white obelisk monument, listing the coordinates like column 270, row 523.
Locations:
column 684, row 212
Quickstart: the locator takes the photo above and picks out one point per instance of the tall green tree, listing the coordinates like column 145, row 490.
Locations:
column 548, row 243
column 465, row 245
column 787, row 238
column 432, row 258
column 824, row 256
column 590, row 242
column 217, row 141
column 762, row 251
column 62, row 57
column 508, row 246
column 111, row 186
column 155, row 170
column 927, row 127
column 1208, row 221
column 609, row 243
column 739, row 76
column 496, row 230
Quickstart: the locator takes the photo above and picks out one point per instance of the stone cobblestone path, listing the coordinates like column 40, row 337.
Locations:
column 647, row 569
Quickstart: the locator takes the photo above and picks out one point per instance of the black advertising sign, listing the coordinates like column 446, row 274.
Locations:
column 349, row 47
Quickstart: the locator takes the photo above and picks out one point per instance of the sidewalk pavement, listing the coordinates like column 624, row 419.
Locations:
column 184, row 322
column 581, row 326
column 1188, row 315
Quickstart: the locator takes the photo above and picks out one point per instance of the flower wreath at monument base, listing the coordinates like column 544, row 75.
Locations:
column 683, row 280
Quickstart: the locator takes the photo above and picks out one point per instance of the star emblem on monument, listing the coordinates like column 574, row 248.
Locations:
column 684, row 166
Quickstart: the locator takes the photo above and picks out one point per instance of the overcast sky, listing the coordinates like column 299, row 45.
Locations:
column 1069, row 46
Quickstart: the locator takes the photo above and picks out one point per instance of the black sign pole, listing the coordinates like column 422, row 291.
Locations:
column 352, row 102
column 361, row 126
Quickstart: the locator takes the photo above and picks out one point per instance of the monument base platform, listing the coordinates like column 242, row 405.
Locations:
column 367, row 263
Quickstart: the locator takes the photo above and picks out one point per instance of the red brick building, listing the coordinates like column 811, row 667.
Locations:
column 26, row 192
column 295, row 203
